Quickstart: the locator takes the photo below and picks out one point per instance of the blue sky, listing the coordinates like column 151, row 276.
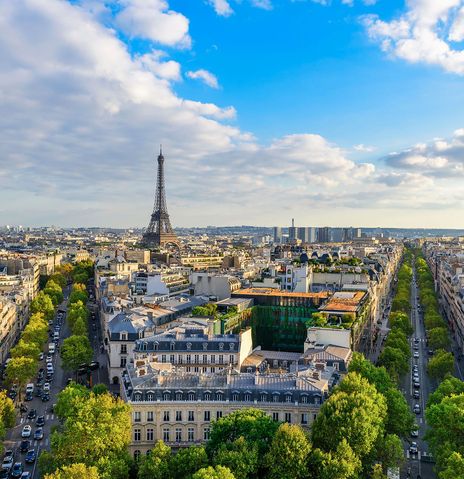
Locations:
column 333, row 113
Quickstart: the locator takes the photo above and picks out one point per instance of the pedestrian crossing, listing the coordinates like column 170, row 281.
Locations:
column 48, row 417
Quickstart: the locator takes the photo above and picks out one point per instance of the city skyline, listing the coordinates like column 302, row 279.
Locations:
column 317, row 110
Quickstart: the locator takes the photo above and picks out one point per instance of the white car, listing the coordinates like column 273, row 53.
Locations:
column 26, row 432
column 46, row 388
column 49, row 368
column 416, row 354
column 49, row 358
column 7, row 463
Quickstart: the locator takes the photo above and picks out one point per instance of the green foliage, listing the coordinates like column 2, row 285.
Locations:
column 78, row 293
column 20, row 370
column 100, row 389
column 390, row 451
column 240, row 456
column 187, row 461
column 42, row 303
column 156, row 465
column 76, row 350
column 7, row 416
column 69, row 400
column 399, row 320
column 209, row 309
column 218, row 472
column 342, row 463
column 453, row 467
column 356, row 412
column 255, row 426
column 95, row 432
column 55, row 292
column 394, row 361
column 438, row 338
column 450, row 386
column 29, row 350
column 74, row 471
column 58, row 278
column 318, row 320
column 440, row 364
column 36, row 331
column 288, row 454
column 82, row 271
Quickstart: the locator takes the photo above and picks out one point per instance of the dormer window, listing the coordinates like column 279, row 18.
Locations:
column 231, row 346
column 221, row 346
column 155, row 346
column 205, row 346
column 123, row 336
column 172, row 346
column 189, row 346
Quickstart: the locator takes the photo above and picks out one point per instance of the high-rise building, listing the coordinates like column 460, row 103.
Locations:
column 323, row 234
column 292, row 231
column 277, row 234
column 302, row 234
column 312, row 234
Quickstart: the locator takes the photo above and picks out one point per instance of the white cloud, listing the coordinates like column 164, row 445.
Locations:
column 364, row 148
column 152, row 19
column 222, row 7
column 205, row 76
column 424, row 34
column 170, row 70
column 264, row 4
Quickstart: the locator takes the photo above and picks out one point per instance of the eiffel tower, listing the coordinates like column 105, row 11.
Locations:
column 159, row 231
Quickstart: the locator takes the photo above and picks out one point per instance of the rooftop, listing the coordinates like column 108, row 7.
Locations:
column 344, row 301
column 280, row 293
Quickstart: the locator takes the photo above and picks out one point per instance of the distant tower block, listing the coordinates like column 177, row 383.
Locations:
column 159, row 231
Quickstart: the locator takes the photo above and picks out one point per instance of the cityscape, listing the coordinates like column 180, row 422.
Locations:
column 187, row 295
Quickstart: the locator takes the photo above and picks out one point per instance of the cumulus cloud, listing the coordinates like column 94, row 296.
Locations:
column 427, row 33
column 222, row 7
column 364, row 148
column 204, row 76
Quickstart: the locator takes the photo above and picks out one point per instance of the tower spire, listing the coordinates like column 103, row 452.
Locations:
column 159, row 230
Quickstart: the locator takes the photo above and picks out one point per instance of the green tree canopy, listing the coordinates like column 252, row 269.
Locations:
column 157, row 464
column 20, row 370
column 390, row 451
column 42, row 303
column 187, row 461
column 440, row 364
column 438, row 338
column 76, row 350
column 59, row 278
column 218, row 472
column 29, row 350
column 74, row 471
column 288, row 454
column 342, row 463
column 240, row 456
column 448, row 387
column 453, row 467
column 55, row 292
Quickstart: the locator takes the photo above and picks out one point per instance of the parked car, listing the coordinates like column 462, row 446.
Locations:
column 417, row 409
column 26, row 475
column 26, row 432
column 31, row 456
column 46, row 388
column 416, row 395
column 4, row 473
column 38, row 434
column 416, row 354
column 416, row 385
column 7, row 463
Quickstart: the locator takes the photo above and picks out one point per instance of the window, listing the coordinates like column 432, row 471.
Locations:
column 206, row 433
column 155, row 346
column 123, row 348
column 166, row 416
column 123, row 362
column 189, row 358
column 304, row 418
column 213, row 359
column 314, row 417
column 191, row 415
column 247, row 397
column 150, row 396
column 137, row 435
column 275, row 398
column 166, row 396
column 207, row 397
column 178, row 434
column 288, row 398
column 163, row 358
column 171, row 358
column 221, row 346
column 137, row 416
column 191, row 396
column 221, row 359
column 172, row 346
column 207, row 416
column 123, row 336
column 304, row 399
column 136, row 455
column 231, row 358
column 219, row 396
column 204, row 369
column 275, row 416
column 234, row 396
column 317, row 400
column 197, row 358
column 189, row 346
column 263, row 397
column 150, row 434
column 213, row 369
column 190, row 434
column 179, row 396
column 231, row 346
column 188, row 369
column 178, row 415
column 205, row 347
column 218, row 414
column 205, row 358
column 288, row 417
column 166, row 435
column 196, row 369
column 150, row 416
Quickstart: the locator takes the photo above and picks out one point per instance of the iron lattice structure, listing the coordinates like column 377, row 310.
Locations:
column 159, row 231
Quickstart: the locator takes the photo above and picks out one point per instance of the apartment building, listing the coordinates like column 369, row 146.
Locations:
column 9, row 327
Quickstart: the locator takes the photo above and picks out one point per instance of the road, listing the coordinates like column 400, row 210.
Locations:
column 418, row 468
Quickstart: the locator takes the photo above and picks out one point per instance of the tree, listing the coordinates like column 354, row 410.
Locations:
column 254, row 425
column 80, row 327
column 42, row 303
column 400, row 320
column 187, row 461
column 394, row 361
column 440, row 364
column 288, row 454
column 76, row 311
column 74, row 471
column 20, row 370
column 240, row 456
column 7, row 416
column 438, row 338
column 76, row 350
column 317, row 319
column 390, row 451
column 218, row 472
column 59, row 278
column 448, row 387
column 356, row 412
column 55, row 292
column 29, row 350
column 342, row 463
column 35, row 332
column 100, row 389
column 95, row 432
column 453, row 468
column 78, row 293
column 156, row 465
column 69, row 400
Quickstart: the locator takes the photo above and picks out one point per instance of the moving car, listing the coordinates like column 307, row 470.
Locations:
column 40, row 421
column 25, row 445
column 30, row 388
column 416, row 385
column 417, row 409
column 26, row 432
column 32, row 414
column 26, row 475
column 46, row 388
column 17, row 470
column 7, row 463
column 45, row 397
column 29, row 397
column 416, row 354
column 30, row 456
column 415, row 433
column 416, row 395
column 413, row 448
column 38, row 434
